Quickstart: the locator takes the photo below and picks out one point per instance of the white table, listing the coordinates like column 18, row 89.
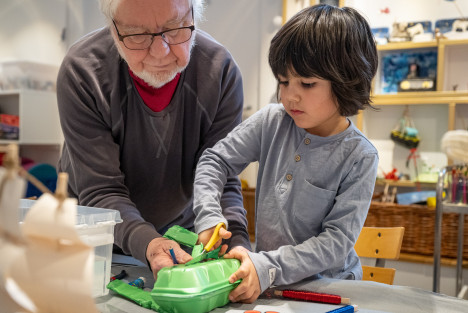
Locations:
column 370, row 297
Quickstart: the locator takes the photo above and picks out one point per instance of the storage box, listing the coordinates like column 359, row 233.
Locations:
column 95, row 227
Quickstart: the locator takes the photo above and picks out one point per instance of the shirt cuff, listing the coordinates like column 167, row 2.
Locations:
column 265, row 271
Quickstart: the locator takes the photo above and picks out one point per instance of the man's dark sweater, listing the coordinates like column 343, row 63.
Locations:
column 121, row 155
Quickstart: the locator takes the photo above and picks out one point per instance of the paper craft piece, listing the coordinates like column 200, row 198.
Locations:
column 8, row 296
column 12, row 189
column 11, row 239
column 57, row 267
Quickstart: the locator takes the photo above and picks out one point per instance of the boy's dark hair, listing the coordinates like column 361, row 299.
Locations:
column 330, row 43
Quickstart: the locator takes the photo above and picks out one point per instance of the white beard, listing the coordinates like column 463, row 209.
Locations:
column 157, row 80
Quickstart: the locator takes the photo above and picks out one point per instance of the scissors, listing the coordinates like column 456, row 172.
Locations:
column 214, row 238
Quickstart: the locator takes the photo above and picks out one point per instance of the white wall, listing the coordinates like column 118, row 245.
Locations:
column 32, row 30
column 246, row 27
column 42, row 30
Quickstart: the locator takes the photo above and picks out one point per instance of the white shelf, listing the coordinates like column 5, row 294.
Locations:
column 39, row 122
column 40, row 134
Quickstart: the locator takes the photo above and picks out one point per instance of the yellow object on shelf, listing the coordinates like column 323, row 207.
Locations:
column 244, row 184
column 431, row 202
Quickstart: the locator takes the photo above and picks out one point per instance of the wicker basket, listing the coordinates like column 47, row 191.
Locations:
column 419, row 221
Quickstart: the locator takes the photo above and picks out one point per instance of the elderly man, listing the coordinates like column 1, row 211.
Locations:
column 139, row 102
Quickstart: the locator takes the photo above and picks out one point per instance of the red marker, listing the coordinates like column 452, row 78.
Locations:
column 312, row 296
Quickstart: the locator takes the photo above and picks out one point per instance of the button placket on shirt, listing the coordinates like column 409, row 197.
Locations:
column 297, row 158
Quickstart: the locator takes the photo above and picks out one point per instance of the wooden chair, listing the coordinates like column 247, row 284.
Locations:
column 380, row 243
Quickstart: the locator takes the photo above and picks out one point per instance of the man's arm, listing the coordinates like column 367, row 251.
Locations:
column 91, row 155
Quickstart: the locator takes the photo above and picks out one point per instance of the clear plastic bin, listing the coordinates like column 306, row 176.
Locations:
column 15, row 75
column 95, row 227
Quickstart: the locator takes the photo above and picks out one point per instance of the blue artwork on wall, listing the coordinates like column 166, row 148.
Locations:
column 396, row 65
column 444, row 25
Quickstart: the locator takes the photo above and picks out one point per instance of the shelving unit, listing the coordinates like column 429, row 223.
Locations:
column 436, row 112
column 442, row 206
column 40, row 134
column 447, row 50
column 449, row 98
column 404, row 183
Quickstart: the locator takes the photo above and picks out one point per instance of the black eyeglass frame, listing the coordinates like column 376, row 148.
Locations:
column 122, row 37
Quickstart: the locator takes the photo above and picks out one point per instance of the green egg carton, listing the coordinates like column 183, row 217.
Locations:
column 195, row 288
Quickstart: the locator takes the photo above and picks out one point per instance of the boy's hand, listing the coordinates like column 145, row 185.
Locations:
column 158, row 255
column 249, row 289
column 205, row 236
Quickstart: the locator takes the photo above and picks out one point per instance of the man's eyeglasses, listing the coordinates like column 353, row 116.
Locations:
column 143, row 41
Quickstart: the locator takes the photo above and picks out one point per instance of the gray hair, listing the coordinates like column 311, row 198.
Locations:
column 108, row 8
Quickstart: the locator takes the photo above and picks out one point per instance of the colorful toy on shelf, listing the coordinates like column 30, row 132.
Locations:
column 456, row 28
column 404, row 132
column 391, row 175
column 411, row 31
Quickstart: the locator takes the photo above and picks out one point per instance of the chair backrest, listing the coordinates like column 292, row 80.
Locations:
column 380, row 243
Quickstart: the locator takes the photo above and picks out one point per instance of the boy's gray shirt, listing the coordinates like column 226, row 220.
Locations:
column 121, row 155
column 312, row 195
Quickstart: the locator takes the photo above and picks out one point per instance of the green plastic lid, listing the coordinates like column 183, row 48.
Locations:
column 195, row 288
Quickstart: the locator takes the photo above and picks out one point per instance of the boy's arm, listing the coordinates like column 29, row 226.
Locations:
column 226, row 159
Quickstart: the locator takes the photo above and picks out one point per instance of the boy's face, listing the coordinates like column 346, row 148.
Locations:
column 310, row 102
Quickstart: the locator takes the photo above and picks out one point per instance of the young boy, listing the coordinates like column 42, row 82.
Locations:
column 316, row 169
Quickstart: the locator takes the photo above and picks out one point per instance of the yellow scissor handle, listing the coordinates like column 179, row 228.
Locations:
column 215, row 237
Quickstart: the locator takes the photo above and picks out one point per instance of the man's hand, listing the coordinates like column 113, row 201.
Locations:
column 249, row 289
column 205, row 236
column 158, row 255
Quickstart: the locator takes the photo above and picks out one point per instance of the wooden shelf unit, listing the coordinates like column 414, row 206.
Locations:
column 449, row 98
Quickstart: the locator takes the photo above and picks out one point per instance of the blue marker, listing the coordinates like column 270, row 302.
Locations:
column 174, row 260
column 139, row 282
column 344, row 309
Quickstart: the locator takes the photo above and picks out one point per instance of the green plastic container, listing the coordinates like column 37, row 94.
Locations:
column 195, row 288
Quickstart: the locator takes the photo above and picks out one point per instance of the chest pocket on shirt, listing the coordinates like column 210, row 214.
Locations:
column 312, row 205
